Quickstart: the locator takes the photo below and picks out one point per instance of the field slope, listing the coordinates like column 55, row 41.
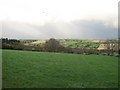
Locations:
column 26, row 69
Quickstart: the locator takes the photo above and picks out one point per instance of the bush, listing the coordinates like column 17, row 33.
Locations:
column 53, row 45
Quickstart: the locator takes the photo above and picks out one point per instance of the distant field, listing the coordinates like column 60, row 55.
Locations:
column 26, row 69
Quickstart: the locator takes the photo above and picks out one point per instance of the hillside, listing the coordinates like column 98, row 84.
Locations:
column 106, row 47
column 33, row 42
column 76, row 43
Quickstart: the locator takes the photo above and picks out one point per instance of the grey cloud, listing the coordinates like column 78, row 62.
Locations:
column 96, row 30
column 76, row 29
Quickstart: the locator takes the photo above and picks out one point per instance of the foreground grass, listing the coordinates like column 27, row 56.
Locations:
column 54, row 70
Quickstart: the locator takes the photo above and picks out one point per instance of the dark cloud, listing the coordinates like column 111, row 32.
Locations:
column 96, row 29
column 76, row 29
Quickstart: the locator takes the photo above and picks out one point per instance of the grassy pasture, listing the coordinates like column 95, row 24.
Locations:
column 26, row 69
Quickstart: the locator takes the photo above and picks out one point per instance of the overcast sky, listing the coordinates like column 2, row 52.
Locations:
column 43, row 19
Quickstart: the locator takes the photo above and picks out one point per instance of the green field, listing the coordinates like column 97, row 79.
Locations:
column 27, row 69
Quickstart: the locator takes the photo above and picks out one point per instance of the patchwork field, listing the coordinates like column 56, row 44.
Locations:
column 27, row 69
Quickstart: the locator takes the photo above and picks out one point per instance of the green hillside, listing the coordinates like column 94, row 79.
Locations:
column 27, row 69
column 72, row 43
column 83, row 44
